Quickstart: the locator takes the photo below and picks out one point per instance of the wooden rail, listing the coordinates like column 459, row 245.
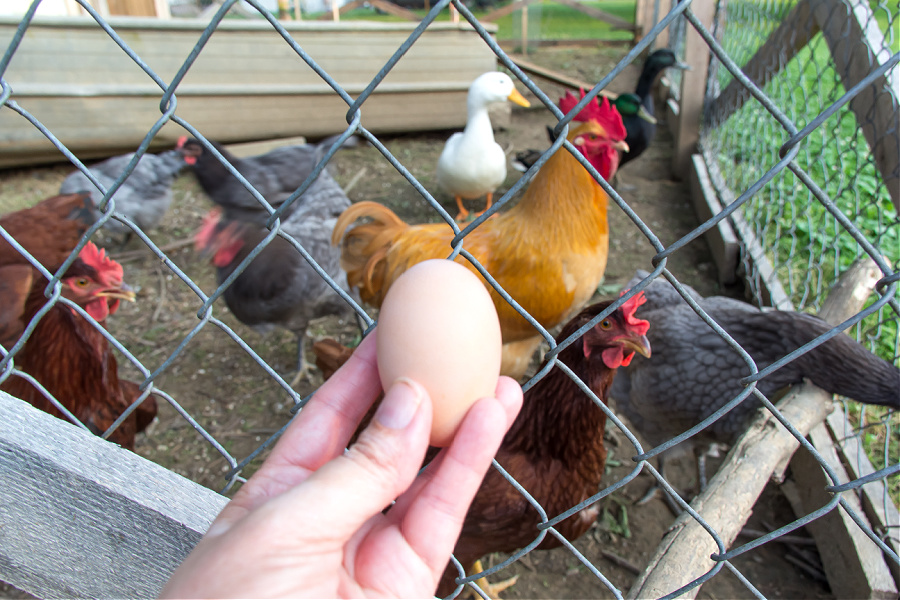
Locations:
column 101, row 522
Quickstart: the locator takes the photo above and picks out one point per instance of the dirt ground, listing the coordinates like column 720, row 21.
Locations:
column 233, row 399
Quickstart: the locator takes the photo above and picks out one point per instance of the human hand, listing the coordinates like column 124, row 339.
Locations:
column 309, row 523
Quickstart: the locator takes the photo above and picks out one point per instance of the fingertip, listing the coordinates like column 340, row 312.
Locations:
column 510, row 396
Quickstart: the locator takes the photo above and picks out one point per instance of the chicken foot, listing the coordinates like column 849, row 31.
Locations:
column 491, row 589
column 302, row 365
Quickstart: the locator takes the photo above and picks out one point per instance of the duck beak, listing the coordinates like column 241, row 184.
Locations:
column 515, row 96
column 642, row 113
column 641, row 345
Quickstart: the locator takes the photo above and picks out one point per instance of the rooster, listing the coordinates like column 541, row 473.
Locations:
column 49, row 231
column 71, row 359
column 554, row 448
column 548, row 252
column 694, row 372
column 279, row 288
column 144, row 197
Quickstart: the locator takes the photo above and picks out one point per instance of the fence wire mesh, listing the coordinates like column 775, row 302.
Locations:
column 789, row 152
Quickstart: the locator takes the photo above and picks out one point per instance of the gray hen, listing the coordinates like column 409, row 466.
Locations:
column 693, row 371
column 280, row 288
column 144, row 197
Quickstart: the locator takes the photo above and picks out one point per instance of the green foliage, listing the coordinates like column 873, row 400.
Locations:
column 807, row 244
column 547, row 21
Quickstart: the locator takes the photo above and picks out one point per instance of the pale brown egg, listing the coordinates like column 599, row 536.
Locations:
column 438, row 326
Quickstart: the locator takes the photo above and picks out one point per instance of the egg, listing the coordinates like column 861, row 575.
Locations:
column 438, row 326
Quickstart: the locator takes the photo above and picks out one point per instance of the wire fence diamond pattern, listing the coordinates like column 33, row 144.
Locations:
column 802, row 160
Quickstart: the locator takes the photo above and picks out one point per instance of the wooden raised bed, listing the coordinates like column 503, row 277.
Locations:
column 247, row 84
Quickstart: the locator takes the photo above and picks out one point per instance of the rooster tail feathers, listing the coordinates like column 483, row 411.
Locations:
column 364, row 247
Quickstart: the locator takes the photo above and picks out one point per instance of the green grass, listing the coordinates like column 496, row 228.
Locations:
column 547, row 21
column 807, row 245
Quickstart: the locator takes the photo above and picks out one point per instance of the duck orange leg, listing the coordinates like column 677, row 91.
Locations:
column 463, row 213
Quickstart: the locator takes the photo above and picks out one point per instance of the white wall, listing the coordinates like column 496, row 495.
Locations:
column 46, row 8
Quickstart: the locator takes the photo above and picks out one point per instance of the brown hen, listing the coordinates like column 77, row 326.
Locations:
column 554, row 449
column 72, row 359
column 48, row 231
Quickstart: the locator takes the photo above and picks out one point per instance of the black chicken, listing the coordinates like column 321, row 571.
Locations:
column 693, row 371
column 275, row 175
column 279, row 288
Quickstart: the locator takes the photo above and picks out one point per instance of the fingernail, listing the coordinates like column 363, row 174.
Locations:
column 400, row 404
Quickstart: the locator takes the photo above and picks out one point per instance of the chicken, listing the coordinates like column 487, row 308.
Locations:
column 554, row 449
column 49, row 231
column 628, row 105
column 71, row 359
column 694, row 372
column 275, row 175
column 548, row 252
column 279, row 287
column 144, row 197
column 472, row 164
column 641, row 131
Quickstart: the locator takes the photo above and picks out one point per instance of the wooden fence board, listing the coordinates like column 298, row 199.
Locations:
column 99, row 522
column 246, row 85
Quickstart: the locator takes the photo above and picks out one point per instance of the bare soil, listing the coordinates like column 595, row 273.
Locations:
column 233, row 399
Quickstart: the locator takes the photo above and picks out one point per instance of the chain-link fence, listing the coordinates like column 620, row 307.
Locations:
column 787, row 149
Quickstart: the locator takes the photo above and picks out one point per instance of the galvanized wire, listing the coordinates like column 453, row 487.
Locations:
column 767, row 154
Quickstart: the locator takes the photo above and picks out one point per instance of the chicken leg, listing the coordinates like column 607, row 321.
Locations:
column 491, row 589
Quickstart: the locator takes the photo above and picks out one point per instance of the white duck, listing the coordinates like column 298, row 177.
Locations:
column 472, row 164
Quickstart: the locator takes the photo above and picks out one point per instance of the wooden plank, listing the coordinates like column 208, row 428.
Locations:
column 643, row 18
column 857, row 48
column 246, row 85
column 764, row 278
column 85, row 518
column 556, row 77
column 853, row 564
column 727, row 503
column 722, row 240
column 660, row 9
column 882, row 514
column 794, row 32
column 598, row 14
column 693, row 88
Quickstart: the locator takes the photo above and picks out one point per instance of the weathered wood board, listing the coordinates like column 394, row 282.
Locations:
column 99, row 522
column 247, row 83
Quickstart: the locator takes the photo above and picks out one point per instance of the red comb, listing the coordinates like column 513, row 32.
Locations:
column 603, row 113
column 98, row 259
column 628, row 309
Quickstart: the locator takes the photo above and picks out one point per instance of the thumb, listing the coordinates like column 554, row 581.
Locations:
column 380, row 466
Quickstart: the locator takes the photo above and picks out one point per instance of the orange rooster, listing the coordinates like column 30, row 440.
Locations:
column 548, row 252
column 70, row 357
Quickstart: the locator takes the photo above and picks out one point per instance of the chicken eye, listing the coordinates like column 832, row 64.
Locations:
column 605, row 324
column 82, row 282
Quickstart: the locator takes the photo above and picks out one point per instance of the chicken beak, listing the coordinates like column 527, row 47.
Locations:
column 642, row 113
column 641, row 345
column 621, row 145
column 515, row 96
column 123, row 292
